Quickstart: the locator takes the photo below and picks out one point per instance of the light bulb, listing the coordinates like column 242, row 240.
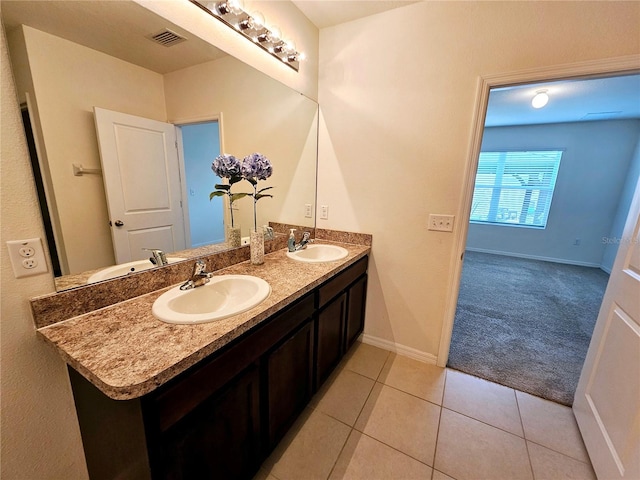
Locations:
column 235, row 6
column 540, row 100
column 258, row 20
column 278, row 47
column 289, row 46
column 296, row 57
column 221, row 8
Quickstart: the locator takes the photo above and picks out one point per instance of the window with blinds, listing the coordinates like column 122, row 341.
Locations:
column 515, row 188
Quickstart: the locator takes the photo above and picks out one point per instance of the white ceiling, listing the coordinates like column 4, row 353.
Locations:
column 327, row 13
column 569, row 101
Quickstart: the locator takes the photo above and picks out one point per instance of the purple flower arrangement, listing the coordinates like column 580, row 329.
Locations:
column 256, row 167
column 253, row 168
column 229, row 167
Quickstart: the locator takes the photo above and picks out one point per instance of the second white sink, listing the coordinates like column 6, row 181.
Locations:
column 318, row 253
column 224, row 296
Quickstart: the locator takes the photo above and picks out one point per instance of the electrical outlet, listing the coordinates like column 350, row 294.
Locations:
column 27, row 257
column 324, row 212
column 27, row 252
column 307, row 210
column 30, row 263
column 441, row 223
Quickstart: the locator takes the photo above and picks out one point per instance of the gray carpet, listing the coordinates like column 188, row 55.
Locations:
column 525, row 323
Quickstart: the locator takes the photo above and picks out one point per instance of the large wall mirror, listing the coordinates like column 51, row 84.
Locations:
column 69, row 57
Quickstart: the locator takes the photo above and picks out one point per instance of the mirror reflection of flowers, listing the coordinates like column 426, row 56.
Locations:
column 256, row 167
column 227, row 167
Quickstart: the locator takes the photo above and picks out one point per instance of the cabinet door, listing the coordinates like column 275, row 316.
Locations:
column 289, row 370
column 220, row 438
column 330, row 328
column 355, row 311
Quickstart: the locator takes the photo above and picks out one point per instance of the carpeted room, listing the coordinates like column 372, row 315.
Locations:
column 529, row 297
column 526, row 323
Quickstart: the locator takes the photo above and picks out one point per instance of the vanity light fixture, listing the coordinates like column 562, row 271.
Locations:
column 540, row 99
column 252, row 27
column 270, row 36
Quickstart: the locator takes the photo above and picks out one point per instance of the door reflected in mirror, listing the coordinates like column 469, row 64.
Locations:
column 62, row 73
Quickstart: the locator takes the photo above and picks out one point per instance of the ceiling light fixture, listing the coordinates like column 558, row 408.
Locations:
column 540, row 99
column 252, row 26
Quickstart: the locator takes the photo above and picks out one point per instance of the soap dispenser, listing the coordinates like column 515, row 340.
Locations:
column 291, row 244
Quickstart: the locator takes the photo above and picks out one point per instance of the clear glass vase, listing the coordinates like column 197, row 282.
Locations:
column 233, row 237
column 257, row 247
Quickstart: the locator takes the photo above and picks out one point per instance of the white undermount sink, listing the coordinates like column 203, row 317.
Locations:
column 224, row 296
column 126, row 268
column 318, row 253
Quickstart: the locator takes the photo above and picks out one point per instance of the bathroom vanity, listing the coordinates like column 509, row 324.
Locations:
column 164, row 401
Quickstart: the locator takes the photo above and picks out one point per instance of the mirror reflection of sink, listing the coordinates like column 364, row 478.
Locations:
column 318, row 253
column 224, row 296
column 126, row 268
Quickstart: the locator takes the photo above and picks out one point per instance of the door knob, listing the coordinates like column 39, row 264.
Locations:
column 119, row 223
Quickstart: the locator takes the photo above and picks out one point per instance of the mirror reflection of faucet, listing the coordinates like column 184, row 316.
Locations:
column 292, row 246
column 158, row 257
column 268, row 232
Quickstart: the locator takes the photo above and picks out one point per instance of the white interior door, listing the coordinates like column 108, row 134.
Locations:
column 142, row 181
column 607, row 399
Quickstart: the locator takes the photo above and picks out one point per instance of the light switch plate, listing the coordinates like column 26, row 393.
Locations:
column 27, row 257
column 441, row 223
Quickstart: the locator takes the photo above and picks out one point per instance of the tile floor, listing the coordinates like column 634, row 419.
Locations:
column 384, row 416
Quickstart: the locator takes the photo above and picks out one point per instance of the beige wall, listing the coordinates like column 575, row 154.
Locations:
column 68, row 81
column 258, row 114
column 39, row 437
column 397, row 95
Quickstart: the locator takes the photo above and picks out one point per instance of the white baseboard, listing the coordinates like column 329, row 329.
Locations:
column 399, row 349
column 535, row 257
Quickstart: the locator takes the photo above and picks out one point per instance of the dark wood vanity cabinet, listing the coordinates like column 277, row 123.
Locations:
column 330, row 332
column 223, row 416
column 288, row 380
column 219, row 439
column 341, row 303
column 357, row 297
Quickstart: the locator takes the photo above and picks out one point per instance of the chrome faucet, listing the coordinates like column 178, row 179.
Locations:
column 294, row 247
column 158, row 258
column 199, row 276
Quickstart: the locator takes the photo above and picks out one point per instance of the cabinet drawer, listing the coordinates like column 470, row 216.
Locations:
column 336, row 285
column 197, row 384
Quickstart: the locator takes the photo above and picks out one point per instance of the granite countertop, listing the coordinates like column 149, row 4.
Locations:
column 126, row 352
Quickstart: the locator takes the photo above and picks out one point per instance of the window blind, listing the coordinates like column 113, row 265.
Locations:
column 515, row 188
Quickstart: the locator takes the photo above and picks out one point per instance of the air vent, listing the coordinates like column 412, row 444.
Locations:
column 167, row 38
column 602, row 115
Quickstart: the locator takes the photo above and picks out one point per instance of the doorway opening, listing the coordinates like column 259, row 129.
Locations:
column 204, row 218
column 530, row 294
